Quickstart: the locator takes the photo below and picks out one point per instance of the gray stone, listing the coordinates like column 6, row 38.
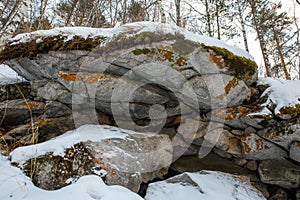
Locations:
column 279, row 172
column 54, row 91
column 19, row 111
column 256, row 148
column 211, row 162
column 279, row 194
column 252, row 165
column 295, row 151
column 282, row 133
column 56, row 109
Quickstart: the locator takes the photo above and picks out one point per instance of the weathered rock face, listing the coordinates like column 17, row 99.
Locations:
column 201, row 97
column 280, row 172
column 129, row 159
column 203, row 185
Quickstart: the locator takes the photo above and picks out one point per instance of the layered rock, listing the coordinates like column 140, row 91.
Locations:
column 202, row 96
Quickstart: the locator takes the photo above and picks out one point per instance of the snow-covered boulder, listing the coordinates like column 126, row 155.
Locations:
column 206, row 185
column 118, row 156
column 218, row 75
column 15, row 185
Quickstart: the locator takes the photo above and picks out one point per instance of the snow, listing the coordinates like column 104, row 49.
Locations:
column 15, row 185
column 93, row 133
column 282, row 93
column 137, row 27
column 210, row 186
column 9, row 76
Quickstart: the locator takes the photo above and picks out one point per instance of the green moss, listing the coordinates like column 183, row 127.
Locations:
column 241, row 67
column 123, row 41
column 162, row 54
column 293, row 111
column 184, row 47
column 52, row 43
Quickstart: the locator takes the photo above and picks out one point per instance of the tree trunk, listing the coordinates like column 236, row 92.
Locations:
column 243, row 26
column 283, row 65
column 208, row 20
column 178, row 14
column 70, row 14
column 217, row 20
column 260, row 39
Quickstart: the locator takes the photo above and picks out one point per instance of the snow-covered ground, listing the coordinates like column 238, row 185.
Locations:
column 15, row 185
column 282, row 93
column 206, row 185
column 138, row 27
column 8, row 76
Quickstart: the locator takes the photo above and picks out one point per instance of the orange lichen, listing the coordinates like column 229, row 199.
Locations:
column 217, row 59
column 107, row 141
column 31, row 105
column 84, row 77
column 246, row 145
column 232, row 84
column 259, row 144
column 113, row 172
column 97, row 161
column 44, row 122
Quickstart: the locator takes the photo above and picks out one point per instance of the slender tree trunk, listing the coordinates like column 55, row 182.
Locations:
column 10, row 17
column 260, row 39
column 70, row 14
column 217, row 20
column 42, row 13
column 208, row 20
column 287, row 76
column 178, row 14
column 243, row 26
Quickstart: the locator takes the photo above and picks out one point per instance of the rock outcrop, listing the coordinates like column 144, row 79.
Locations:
column 161, row 80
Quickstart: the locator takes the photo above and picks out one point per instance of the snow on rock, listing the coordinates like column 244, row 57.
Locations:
column 121, row 157
column 137, row 27
column 57, row 146
column 15, row 185
column 206, row 185
column 281, row 93
column 9, row 76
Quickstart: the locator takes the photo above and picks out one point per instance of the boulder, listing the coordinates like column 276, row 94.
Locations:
column 203, row 185
column 280, row 172
column 19, row 111
column 282, row 133
column 118, row 156
column 257, row 148
column 295, row 151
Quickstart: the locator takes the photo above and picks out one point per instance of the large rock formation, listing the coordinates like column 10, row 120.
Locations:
column 156, row 78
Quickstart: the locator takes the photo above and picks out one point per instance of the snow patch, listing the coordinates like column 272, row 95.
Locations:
column 210, row 185
column 9, row 76
column 282, row 93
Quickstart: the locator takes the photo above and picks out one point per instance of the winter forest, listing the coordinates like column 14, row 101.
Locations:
column 233, row 21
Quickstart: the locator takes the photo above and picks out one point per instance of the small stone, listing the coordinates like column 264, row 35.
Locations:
column 279, row 194
column 249, row 130
column 252, row 165
column 295, row 151
column 56, row 109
